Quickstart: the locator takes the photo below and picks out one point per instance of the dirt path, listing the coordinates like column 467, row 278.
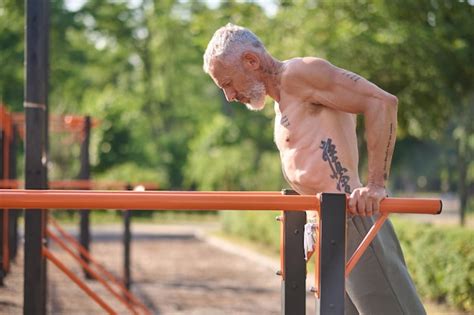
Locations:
column 175, row 271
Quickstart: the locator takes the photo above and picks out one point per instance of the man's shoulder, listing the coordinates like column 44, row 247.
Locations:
column 305, row 70
column 298, row 64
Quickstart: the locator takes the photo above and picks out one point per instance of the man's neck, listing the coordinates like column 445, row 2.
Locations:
column 270, row 76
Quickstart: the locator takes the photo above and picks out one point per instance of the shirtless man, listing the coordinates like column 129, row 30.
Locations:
column 315, row 132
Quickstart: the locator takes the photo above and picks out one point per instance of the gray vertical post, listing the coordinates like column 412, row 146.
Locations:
column 293, row 285
column 35, row 103
column 332, row 255
column 13, row 220
column 3, row 270
column 127, row 236
column 84, row 174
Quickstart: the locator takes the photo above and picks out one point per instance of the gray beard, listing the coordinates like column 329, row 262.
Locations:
column 257, row 96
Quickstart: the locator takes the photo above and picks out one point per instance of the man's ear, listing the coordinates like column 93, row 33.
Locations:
column 250, row 60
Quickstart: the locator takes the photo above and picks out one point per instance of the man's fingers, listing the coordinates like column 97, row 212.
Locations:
column 361, row 206
column 353, row 202
column 369, row 207
column 365, row 201
column 372, row 204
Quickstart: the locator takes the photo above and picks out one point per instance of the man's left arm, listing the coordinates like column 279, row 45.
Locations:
column 349, row 92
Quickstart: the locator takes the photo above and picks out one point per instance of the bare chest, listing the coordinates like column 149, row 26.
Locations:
column 318, row 147
column 299, row 127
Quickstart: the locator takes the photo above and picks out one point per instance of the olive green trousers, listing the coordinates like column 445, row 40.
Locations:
column 380, row 283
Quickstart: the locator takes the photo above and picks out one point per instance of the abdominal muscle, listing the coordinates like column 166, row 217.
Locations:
column 318, row 148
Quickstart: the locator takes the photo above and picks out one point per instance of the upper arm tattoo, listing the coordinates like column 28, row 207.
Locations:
column 387, row 153
column 354, row 77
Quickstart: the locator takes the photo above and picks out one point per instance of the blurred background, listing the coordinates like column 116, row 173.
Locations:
column 136, row 66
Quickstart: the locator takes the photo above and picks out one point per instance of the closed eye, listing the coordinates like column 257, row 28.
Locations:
column 227, row 84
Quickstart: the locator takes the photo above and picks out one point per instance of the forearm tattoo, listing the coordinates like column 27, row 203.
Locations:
column 338, row 171
column 354, row 77
column 387, row 153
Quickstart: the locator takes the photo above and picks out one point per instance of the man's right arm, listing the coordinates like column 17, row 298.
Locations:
column 345, row 91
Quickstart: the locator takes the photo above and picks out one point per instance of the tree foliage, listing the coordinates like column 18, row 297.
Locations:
column 137, row 67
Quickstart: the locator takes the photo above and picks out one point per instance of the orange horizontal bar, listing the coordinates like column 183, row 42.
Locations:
column 79, row 184
column 148, row 200
column 68, row 120
column 152, row 200
column 411, row 205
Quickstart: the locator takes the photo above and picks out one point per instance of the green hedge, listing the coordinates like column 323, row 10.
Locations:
column 256, row 226
column 440, row 259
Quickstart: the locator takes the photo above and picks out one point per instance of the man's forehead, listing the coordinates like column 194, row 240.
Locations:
column 219, row 71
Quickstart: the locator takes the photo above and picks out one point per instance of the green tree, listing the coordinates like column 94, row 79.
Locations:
column 11, row 53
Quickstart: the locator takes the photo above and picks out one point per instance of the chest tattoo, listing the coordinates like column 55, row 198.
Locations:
column 339, row 172
column 284, row 121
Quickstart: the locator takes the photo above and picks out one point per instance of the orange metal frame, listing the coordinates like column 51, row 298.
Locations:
column 50, row 256
column 155, row 200
column 86, row 266
column 101, row 268
column 58, row 123
column 387, row 206
column 217, row 200
column 355, row 256
column 365, row 243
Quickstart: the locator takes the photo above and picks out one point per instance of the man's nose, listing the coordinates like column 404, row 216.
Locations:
column 229, row 94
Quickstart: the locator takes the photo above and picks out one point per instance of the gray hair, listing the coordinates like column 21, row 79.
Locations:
column 231, row 40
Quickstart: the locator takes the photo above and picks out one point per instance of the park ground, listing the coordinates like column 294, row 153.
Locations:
column 176, row 270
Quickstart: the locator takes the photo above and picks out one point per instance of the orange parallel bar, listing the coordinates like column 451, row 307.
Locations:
column 411, row 205
column 151, row 200
column 101, row 268
column 89, row 269
column 134, row 200
column 48, row 254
